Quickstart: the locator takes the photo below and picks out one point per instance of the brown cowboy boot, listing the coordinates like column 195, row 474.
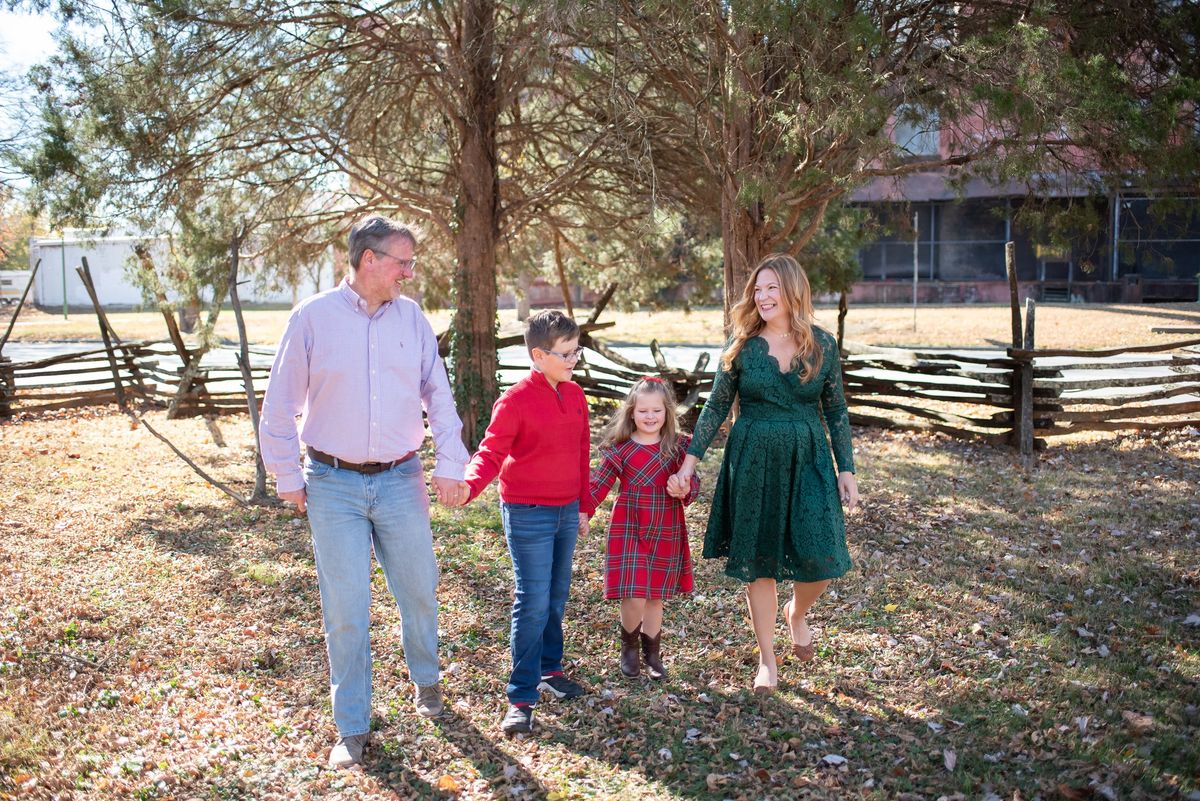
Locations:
column 652, row 657
column 629, row 650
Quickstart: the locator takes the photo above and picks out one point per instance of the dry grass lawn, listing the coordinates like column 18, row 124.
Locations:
column 972, row 326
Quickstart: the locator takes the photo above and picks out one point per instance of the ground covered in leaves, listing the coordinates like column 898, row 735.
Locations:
column 1001, row 637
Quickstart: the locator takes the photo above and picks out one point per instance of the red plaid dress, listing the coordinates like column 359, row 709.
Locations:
column 648, row 554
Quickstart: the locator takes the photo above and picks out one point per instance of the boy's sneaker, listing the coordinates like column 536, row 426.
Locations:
column 562, row 687
column 518, row 719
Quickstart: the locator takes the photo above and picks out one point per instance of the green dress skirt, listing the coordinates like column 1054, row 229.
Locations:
column 775, row 509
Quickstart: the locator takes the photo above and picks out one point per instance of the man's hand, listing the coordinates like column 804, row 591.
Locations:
column 451, row 492
column 584, row 519
column 298, row 497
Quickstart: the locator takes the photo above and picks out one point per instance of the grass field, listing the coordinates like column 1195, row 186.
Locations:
column 1000, row 637
column 1058, row 326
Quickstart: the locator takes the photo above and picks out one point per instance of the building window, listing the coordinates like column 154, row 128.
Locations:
column 891, row 257
column 1160, row 238
column 916, row 132
column 971, row 240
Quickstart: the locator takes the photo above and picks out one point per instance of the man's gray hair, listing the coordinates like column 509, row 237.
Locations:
column 371, row 232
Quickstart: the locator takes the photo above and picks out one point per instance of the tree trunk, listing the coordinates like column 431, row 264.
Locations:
column 259, row 496
column 473, row 332
column 843, row 307
column 524, row 286
column 742, row 233
column 742, row 226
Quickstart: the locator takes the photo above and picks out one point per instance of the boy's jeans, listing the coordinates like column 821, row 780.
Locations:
column 349, row 512
column 541, row 541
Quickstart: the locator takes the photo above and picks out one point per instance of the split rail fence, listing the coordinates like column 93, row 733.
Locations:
column 144, row 371
column 962, row 395
column 982, row 397
column 1018, row 397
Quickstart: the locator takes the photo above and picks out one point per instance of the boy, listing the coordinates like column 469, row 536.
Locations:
column 539, row 443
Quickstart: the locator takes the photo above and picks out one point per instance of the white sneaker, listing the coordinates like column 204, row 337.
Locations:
column 347, row 751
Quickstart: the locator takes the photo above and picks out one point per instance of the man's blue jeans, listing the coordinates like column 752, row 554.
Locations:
column 349, row 513
column 541, row 542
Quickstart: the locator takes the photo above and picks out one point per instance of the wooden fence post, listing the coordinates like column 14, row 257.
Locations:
column 1014, row 302
column 20, row 304
column 1027, row 455
column 85, row 275
column 8, row 386
column 1014, row 305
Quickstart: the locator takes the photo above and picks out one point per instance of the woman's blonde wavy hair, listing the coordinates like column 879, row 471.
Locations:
column 797, row 294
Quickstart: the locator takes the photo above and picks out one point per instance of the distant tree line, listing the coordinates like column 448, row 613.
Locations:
column 639, row 142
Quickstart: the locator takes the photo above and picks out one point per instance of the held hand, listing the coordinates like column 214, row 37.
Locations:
column 298, row 497
column 584, row 519
column 848, row 490
column 451, row 492
column 683, row 479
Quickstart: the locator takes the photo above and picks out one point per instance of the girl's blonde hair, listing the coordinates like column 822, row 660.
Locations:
column 797, row 293
column 621, row 427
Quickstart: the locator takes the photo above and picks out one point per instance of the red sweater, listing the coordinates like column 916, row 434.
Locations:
column 539, row 443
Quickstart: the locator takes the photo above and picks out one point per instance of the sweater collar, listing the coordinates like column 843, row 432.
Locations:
column 538, row 378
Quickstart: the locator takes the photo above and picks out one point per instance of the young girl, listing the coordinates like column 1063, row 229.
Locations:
column 648, row 556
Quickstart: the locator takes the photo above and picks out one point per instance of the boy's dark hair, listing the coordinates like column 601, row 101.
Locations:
column 545, row 328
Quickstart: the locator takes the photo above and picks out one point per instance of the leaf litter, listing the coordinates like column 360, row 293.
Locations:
column 158, row 642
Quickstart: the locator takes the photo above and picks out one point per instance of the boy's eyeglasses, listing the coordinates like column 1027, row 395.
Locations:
column 573, row 356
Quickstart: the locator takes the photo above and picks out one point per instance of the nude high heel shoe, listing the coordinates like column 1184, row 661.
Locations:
column 803, row 653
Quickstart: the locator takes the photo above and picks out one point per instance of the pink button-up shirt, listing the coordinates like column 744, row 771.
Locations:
column 360, row 383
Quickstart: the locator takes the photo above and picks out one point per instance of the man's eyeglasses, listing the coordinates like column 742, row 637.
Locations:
column 573, row 356
column 407, row 264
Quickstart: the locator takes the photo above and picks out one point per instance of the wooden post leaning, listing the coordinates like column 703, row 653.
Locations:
column 85, row 276
column 20, row 305
column 243, row 359
column 8, row 386
column 8, row 377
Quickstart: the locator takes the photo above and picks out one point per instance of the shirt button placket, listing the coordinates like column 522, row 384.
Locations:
column 373, row 388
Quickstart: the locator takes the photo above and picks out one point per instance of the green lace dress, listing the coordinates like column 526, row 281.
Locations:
column 775, row 510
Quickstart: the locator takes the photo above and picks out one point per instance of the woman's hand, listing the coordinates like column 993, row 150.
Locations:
column 679, row 484
column 848, row 489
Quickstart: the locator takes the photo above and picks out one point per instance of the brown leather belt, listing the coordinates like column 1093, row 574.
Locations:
column 368, row 468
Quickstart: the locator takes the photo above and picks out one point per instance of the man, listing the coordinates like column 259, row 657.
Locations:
column 360, row 362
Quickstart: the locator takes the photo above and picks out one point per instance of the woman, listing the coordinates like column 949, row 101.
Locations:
column 775, row 513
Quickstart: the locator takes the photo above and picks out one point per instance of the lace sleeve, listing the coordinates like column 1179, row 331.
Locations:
column 694, row 488
column 833, row 406
column 716, row 409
